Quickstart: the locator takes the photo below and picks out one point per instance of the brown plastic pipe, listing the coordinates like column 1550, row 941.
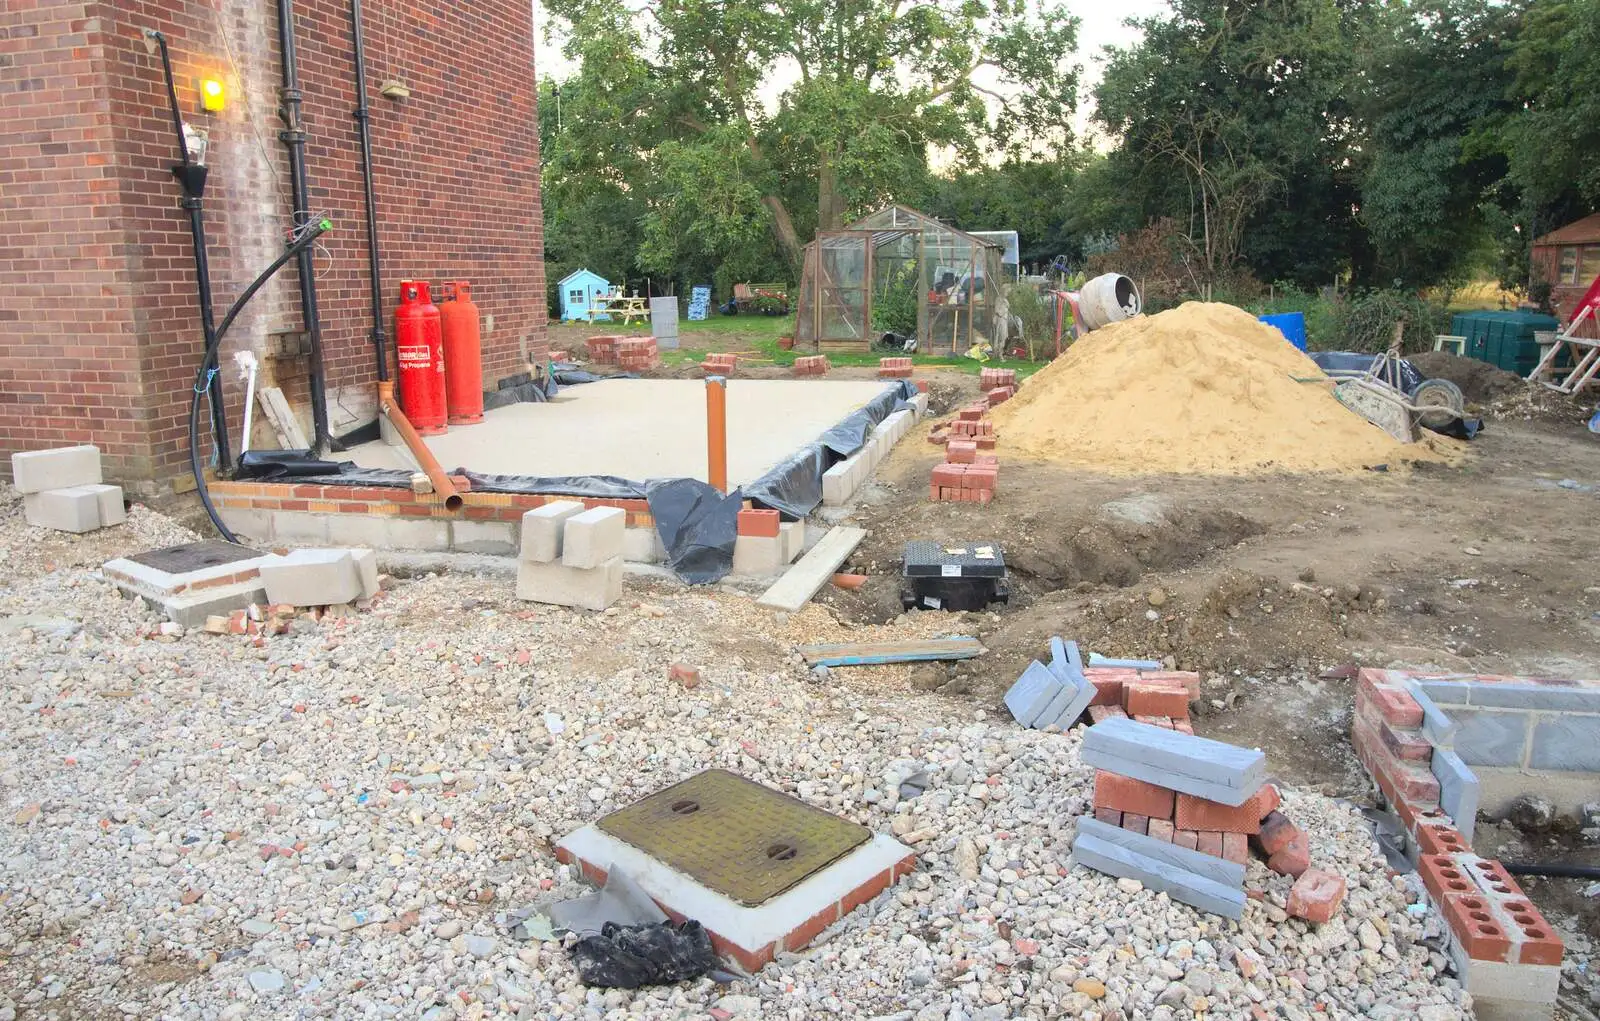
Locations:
column 717, row 433
column 430, row 466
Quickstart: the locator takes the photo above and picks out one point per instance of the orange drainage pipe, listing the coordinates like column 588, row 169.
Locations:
column 430, row 466
column 717, row 432
column 849, row 582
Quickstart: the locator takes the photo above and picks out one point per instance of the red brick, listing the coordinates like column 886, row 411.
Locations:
column 969, row 414
column 1210, row 842
column 1479, row 934
column 686, row 675
column 1539, row 942
column 1135, row 823
column 1275, row 834
column 1183, row 725
column 1097, row 713
column 802, row 935
column 1395, row 705
column 948, row 475
column 1125, row 794
column 1316, row 895
column 1293, row 858
column 758, row 522
column 1186, row 838
column 1108, row 684
column 961, row 451
column 1439, row 838
column 1200, row 814
column 1236, row 847
column 1161, row 829
column 1143, row 699
column 865, row 892
column 1109, row 816
column 1188, row 678
column 1444, row 877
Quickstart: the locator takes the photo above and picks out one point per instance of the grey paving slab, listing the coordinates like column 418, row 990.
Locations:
column 1437, row 727
column 1458, row 789
column 1448, row 692
column 1187, row 887
column 1055, row 714
column 1219, row 870
column 1032, row 693
column 1570, row 741
column 1491, row 737
column 1171, row 758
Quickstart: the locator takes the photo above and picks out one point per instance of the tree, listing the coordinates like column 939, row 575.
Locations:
column 1555, row 140
column 786, row 117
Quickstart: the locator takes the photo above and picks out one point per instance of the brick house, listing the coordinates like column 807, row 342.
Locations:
column 1570, row 259
column 99, row 322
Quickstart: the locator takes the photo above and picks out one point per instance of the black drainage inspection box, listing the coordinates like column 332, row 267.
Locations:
column 953, row 575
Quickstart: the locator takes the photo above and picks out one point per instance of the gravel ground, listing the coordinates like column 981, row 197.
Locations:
column 334, row 822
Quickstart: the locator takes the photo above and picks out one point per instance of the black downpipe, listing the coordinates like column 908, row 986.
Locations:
column 380, row 340
column 192, row 176
column 294, row 137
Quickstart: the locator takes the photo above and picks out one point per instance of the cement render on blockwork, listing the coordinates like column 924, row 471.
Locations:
column 640, row 429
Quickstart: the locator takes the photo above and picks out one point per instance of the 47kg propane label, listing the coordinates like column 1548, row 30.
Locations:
column 415, row 356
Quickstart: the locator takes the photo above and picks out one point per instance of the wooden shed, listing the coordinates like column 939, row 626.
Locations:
column 1570, row 259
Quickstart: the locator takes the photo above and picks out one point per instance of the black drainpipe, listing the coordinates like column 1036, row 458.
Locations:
column 380, row 340
column 294, row 137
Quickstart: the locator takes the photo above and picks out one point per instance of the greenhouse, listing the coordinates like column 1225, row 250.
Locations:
column 868, row 278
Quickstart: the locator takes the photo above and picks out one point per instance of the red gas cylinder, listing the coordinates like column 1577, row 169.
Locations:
column 421, row 355
column 463, row 384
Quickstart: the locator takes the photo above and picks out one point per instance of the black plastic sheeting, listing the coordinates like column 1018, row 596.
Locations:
column 697, row 525
column 631, row 956
column 1409, row 379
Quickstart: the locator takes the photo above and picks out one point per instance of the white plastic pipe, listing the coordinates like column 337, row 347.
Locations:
column 247, row 371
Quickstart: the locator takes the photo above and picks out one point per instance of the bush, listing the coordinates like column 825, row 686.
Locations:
column 1037, row 326
column 1366, row 321
column 894, row 303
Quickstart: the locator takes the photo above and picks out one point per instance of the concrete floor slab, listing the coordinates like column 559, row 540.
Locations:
column 640, row 429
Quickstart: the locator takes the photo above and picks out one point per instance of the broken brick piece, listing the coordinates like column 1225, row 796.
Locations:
column 1316, row 895
column 1125, row 794
column 1293, row 858
column 1276, row 831
column 686, row 675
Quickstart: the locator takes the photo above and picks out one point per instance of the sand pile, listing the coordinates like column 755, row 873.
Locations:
column 1200, row 388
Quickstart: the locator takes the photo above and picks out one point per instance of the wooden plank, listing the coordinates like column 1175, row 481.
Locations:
column 874, row 653
column 281, row 417
column 813, row 570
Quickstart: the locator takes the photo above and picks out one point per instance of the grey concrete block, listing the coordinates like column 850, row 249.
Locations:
column 366, row 564
column 1458, row 790
column 1491, row 737
column 249, row 523
column 1549, row 696
column 1448, row 692
column 1032, row 693
column 419, row 533
column 919, row 404
column 643, row 546
column 593, row 537
column 1507, row 992
column 1187, row 887
column 1569, row 741
column 74, row 509
column 793, row 534
column 1437, row 727
column 1218, row 870
column 496, row 537
column 587, row 588
column 836, row 484
column 758, row 555
column 301, row 526
column 35, row 471
column 542, row 530
column 192, row 608
column 357, row 530
column 1056, row 713
column 312, row 577
column 1067, row 665
column 112, row 510
column 1171, row 758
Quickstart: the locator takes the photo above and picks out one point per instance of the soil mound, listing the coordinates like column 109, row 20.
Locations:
column 1202, row 388
column 1479, row 381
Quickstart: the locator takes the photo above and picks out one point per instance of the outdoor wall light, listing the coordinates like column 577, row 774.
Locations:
column 212, row 95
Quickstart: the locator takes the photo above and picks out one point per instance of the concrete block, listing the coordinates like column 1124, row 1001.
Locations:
column 1095, row 659
column 112, row 510
column 357, row 530
column 497, row 537
column 1176, row 882
column 643, row 546
column 1502, row 991
column 587, row 588
column 1218, row 870
column 1058, row 713
column 793, row 534
column 419, row 533
column 301, row 526
column 593, row 537
column 366, row 564
column 1491, row 737
column 1032, row 693
column 312, row 577
column 35, row 471
column 1458, row 789
column 758, row 555
column 1447, row 692
column 1568, row 741
column 1550, row 697
column 919, row 405
column 836, row 484
column 73, row 509
column 1438, row 728
column 542, row 530
column 251, row 524
column 1171, row 758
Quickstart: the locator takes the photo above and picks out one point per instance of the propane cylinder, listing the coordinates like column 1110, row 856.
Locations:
column 421, row 356
column 463, row 383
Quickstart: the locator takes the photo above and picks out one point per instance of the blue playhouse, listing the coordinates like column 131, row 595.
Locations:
column 579, row 289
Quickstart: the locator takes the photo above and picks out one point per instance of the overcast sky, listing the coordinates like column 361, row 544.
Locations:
column 1101, row 26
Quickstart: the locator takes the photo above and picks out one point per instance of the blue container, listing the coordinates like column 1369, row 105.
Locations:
column 1291, row 324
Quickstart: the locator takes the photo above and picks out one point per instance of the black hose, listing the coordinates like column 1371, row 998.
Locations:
column 1552, row 870
column 202, row 378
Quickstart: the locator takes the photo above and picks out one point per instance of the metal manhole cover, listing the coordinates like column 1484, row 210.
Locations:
column 195, row 556
column 746, row 841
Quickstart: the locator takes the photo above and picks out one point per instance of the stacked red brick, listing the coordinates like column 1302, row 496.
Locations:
column 1210, row 827
column 636, row 354
column 1158, row 697
column 965, row 482
column 1504, row 949
column 602, row 349
column 811, row 365
column 971, row 424
column 718, row 363
column 894, row 368
column 997, row 384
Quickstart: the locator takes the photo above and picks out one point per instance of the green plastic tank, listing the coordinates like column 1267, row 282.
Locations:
column 1503, row 339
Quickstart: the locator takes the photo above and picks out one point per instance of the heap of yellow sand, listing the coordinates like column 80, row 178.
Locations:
column 1204, row 388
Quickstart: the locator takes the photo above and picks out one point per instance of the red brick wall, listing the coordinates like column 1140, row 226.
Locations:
column 457, row 181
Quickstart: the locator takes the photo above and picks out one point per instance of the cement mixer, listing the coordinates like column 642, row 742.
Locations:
column 1108, row 298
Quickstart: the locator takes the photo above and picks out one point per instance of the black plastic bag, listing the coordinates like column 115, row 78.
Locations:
column 627, row 957
column 697, row 525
